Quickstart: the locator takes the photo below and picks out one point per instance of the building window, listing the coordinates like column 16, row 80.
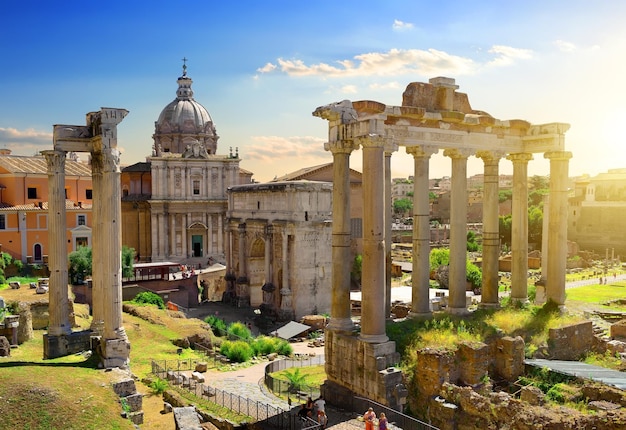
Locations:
column 66, row 193
column 32, row 193
column 89, row 194
column 3, row 222
column 196, row 187
column 81, row 220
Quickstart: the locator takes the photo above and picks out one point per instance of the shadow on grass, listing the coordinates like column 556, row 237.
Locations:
column 89, row 363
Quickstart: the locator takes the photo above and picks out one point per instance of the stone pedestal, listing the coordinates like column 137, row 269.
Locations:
column 114, row 353
column 66, row 344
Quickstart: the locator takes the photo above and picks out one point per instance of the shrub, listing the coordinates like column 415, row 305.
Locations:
column 238, row 330
column 149, row 298
column 237, row 351
column 158, row 386
column 217, row 325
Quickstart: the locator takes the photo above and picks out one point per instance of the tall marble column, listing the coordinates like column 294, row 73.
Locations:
column 112, row 247
column 457, row 302
column 373, row 278
column 97, row 291
column 519, row 227
column 557, row 233
column 389, row 149
column 491, row 228
column 59, row 323
column 243, row 281
column 286, row 299
column 340, row 311
column 420, row 278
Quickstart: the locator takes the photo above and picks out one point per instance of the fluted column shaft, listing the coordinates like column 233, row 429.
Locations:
column 112, row 246
column 420, row 278
column 243, row 274
column 387, row 233
column 519, row 227
column 340, row 311
column 557, row 233
column 491, row 229
column 97, row 295
column 373, row 280
column 458, row 231
column 59, row 323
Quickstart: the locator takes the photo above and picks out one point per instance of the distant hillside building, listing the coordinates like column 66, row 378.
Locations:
column 24, row 206
column 597, row 213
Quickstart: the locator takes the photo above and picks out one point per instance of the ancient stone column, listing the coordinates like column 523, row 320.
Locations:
column 286, row 299
column 243, row 283
column 97, row 270
column 420, row 278
column 111, row 246
column 389, row 149
column 557, row 233
column 491, row 228
column 373, row 278
column 59, row 323
column 340, row 312
column 457, row 303
column 519, row 227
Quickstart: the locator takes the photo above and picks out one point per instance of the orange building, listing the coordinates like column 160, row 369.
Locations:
column 24, row 205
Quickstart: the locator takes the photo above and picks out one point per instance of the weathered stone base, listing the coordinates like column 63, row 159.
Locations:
column 60, row 346
column 355, row 367
column 114, row 353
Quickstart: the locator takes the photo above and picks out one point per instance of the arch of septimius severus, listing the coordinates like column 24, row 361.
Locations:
column 99, row 138
column 433, row 117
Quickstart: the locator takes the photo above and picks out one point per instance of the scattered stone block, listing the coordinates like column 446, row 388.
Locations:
column 186, row 418
column 5, row 347
column 125, row 388
column 14, row 285
column 532, row 395
column 272, row 356
column 136, row 417
column 197, row 376
column 201, row 366
column 135, row 402
column 167, row 408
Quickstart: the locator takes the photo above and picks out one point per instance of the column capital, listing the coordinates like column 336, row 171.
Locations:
column 458, row 153
column 422, row 151
column 344, row 146
column 55, row 160
column 520, row 157
column 558, row 155
column 373, row 141
column 490, row 156
column 390, row 147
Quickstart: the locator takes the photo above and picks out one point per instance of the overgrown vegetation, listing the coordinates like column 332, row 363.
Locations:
column 80, row 263
column 149, row 298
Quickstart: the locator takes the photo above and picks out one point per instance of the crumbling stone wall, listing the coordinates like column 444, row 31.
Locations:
column 570, row 342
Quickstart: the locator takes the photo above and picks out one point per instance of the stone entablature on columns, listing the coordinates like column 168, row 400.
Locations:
column 420, row 295
column 435, row 114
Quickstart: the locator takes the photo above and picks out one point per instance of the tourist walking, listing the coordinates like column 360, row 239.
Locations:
column 322, row 419
column 369, row 418
column 382, row 422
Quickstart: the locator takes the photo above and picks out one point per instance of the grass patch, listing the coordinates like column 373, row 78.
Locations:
column 598, row 294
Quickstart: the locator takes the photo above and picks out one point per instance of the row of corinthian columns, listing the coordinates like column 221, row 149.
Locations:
column 375, row 304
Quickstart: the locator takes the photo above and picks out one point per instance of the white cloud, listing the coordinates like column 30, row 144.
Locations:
column 272, row 149
column 401, row 25
column 397, row 62
column 564, row 46
column 25, row 142
column 349, row 89
column 506, row 55
column 386, row 86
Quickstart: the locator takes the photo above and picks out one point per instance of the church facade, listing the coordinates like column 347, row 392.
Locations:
column 184, row 193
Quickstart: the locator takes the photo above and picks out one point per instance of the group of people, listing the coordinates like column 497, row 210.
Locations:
column 369, row 417
column 314, row 409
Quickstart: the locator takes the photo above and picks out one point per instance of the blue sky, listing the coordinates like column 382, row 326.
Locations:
column 261, row 67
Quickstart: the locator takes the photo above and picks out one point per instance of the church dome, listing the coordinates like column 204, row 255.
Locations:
column 184, row 122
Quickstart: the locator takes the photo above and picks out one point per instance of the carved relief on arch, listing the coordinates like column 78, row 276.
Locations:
column 257, row 249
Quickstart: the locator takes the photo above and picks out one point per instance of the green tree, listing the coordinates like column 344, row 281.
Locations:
column 297, row 380
column 439, row 257
column 80, row 263
column 472, row 245
column 403, row 206
column 504, row 225
column 535, row 225
column 504, row 195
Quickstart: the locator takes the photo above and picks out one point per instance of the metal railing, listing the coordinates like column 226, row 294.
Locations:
column 280, row 387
